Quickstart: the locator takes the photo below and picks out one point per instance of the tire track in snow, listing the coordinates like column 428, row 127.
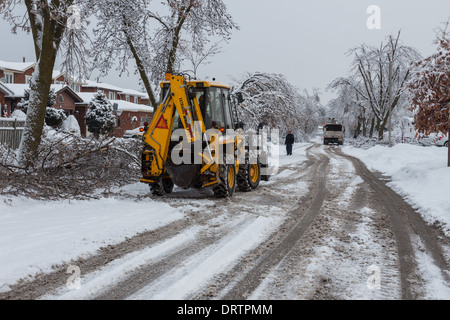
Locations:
column 283, row 242
column 405, row 222
column 331, row 259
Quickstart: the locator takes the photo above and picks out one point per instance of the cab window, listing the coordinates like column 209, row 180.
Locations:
column 213, row 108
column 227, row 108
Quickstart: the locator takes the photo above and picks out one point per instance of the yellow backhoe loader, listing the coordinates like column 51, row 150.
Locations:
column 194, row 141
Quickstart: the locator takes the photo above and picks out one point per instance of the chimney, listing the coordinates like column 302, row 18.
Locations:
column 24, row 59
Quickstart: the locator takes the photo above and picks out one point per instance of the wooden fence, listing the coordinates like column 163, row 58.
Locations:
column 11, row 131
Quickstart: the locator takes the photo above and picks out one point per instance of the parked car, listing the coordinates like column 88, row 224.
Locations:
column 442, row 141
column 135, row 133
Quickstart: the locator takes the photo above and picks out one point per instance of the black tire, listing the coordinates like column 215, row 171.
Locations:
column 227, row 185
column 446, row 144
column 249, row 176
column 167, row 185
column 157, row 189
column 162, row 187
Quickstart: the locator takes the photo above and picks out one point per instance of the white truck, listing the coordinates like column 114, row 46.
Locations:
column 333, row 132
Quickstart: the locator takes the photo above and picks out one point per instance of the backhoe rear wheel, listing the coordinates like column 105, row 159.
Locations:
column 227, row 185
column 249, row 176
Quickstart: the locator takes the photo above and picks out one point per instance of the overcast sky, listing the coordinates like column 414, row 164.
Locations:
column 306, row 41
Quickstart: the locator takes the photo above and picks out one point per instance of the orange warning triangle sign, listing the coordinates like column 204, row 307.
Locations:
column 162, row 123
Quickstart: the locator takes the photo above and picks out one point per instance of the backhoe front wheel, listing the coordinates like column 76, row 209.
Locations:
column 227, row 181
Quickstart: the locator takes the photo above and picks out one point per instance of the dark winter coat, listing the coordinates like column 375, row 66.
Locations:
column 289, row 139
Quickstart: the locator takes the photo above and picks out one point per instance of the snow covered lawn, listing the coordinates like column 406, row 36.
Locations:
column 419, row 174
column 35, row 235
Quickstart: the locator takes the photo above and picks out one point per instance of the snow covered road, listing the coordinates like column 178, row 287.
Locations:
column 322, row 228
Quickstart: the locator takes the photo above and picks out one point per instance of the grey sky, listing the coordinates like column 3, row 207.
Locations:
column 304, row 40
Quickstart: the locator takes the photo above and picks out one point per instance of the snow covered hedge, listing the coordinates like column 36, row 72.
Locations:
column 70, row 167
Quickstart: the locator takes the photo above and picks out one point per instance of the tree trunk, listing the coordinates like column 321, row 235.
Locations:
column 143, row 74
column 182, row 15
column 37, row 105
column 372, row 127
column 380, row 130
column 47, row 34
column 364, row 127
column 358, row 127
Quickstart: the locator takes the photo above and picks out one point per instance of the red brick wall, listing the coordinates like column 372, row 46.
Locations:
column 2, row 104
column 87, row 89
column 20, row 77
column 80, row 114
column 105, row 91
column 127, row 124
column 68, row 103
column 60, row 78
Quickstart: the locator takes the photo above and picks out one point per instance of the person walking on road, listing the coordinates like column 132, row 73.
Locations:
column 289, row 142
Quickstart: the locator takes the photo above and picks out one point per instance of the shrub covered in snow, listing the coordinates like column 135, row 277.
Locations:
column 100, row 117
column 54, row 117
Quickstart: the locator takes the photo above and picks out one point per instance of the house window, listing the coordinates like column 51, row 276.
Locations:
column 112, row 96
column 9, row 77
column 128, row 98
column 60, row 99
column 27, row 79
column 136, row 100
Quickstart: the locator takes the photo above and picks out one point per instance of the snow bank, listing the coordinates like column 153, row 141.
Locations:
column 71, row 125
column 19, row 115
column 418, row 173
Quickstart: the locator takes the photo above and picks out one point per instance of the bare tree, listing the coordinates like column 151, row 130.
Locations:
column 349, row 106
column 152, row 34
column 379, row 76
column 195, row 58
column 271, row 99
column 47, row 21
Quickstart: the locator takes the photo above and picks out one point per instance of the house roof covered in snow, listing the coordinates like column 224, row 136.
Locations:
column 132, row 107
column 16, row 66
column 100, row 85
column 122, row 105
column 107, row 86
column 133, row 92
column 17, row 90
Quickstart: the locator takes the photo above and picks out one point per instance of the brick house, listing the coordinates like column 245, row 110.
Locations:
column 16, row 72
column 129, row 115
column 132, row 106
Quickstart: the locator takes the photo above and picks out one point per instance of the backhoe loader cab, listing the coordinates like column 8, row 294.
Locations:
column 191, row 141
